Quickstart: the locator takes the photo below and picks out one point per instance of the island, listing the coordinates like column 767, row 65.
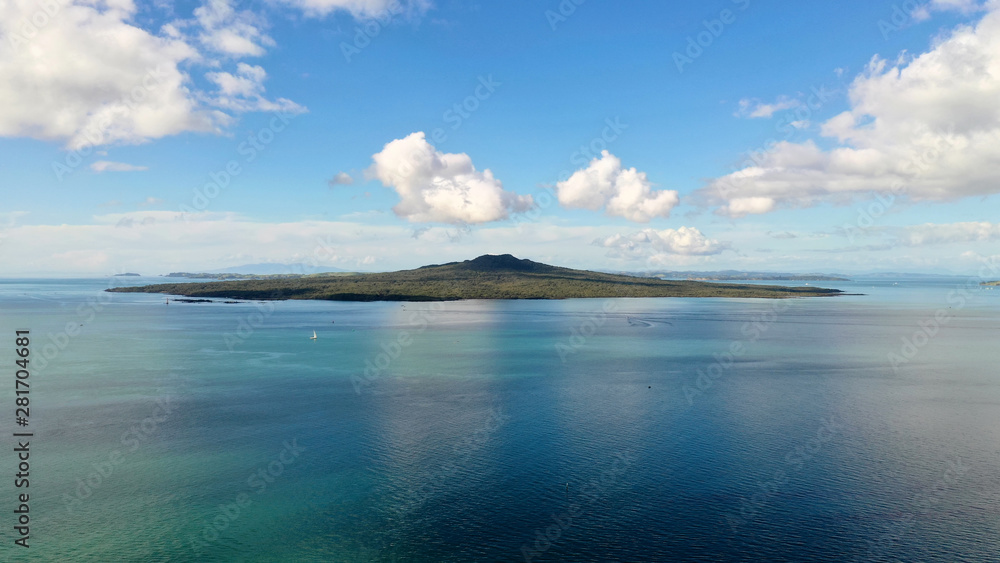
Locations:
column 230, row 276
column 126, row 274
column 991, row 283
column 734, row 275
column 486, row 277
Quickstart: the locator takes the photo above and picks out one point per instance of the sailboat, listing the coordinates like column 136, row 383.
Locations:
column 313, row 337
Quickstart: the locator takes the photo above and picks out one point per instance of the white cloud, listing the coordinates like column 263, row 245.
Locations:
column 927, row 125
column 244, row 91
column 157, row 242
column 756, row 108
column 743, row 206
column 83, row 260
column 650, row 243
column 121, row 84
column 782, row 235
column 439, row 187
column 128, row 84
column 362, row 8
column 163, row 217
column 929, row 234
column 964, row 6
column 621, row 192
column 125, row 84
column 230, row 32
column 341, row 179
column 9, row 218
column 109, row 166
column 150, row 201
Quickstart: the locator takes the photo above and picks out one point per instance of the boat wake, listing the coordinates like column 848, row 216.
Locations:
column 635, row 321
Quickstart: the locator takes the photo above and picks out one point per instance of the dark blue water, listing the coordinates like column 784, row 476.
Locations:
column 831, row 429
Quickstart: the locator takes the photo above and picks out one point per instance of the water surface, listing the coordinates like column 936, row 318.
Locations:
column 621, row 428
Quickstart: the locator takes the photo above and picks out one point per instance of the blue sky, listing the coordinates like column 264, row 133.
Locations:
column 849, row 90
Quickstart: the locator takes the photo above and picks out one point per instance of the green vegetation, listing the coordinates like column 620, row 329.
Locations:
column 486, row 277
column 733, row 275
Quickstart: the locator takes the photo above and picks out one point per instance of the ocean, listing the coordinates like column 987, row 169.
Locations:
column 864, row 427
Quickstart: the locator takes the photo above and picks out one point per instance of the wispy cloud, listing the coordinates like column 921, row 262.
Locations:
column 361, row 8
column 150, row 201
column 9, row 218
column 109, row 166
column 930, row 234
column 757, row 109
column 782, row 235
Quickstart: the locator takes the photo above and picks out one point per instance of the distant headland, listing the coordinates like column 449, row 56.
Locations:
column 739, row 275
column 486, row 277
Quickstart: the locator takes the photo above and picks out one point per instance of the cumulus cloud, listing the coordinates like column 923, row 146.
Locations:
column 244, row 91
column 232, row 32
column 650, row 243
column 743, row 206
column 621, row 192
column 121, row 84
column 129, row 83
column 927, row 125
column 440, row 187
column 109, row 166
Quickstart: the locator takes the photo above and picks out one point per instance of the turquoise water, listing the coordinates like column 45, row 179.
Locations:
column 620, row 428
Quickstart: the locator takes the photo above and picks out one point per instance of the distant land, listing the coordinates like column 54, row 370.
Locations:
column 991, row 283
column 906, row 275
column 739, row 275
column 486, row 277
column 227, row 276
column 266, row 270
column 270, row 268
column 126, row 274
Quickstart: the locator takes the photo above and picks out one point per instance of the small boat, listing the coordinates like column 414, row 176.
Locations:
column 313, row 337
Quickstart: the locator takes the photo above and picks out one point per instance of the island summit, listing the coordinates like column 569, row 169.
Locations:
column 486, row 277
